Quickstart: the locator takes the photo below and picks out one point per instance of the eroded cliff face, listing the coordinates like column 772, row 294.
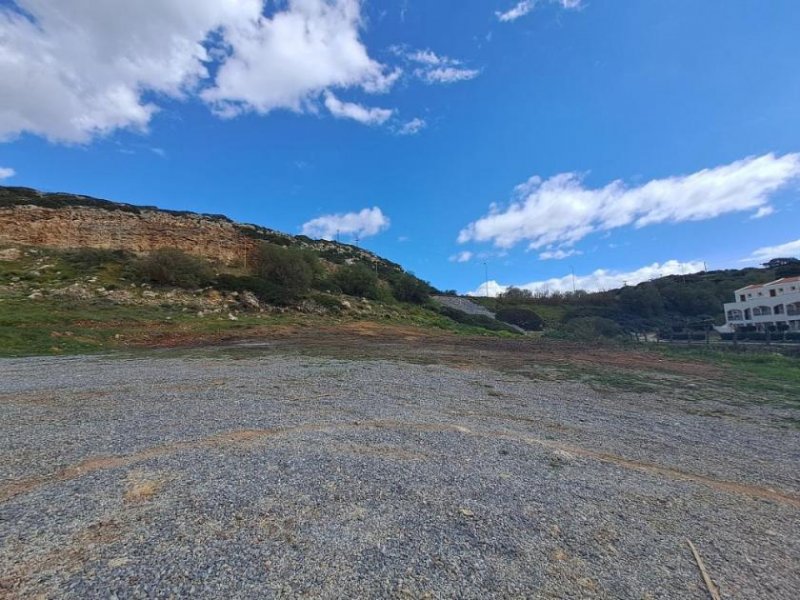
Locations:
column 85, row 227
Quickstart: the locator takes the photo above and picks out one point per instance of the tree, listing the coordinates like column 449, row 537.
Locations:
column 170, row 266
column 288, row 270
column 514, row 293
column 357, row 280
column 407, row 288
column 642, row 300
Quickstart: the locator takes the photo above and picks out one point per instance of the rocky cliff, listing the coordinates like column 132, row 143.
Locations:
column 32, row 218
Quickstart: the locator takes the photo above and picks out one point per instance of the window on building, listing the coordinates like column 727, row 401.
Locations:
column 773, row 293
column 741, row 298
column 779, row 310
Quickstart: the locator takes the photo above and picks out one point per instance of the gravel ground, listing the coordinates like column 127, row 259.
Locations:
column 284, row 476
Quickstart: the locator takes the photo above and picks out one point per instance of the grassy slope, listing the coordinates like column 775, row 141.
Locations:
column 57, row 325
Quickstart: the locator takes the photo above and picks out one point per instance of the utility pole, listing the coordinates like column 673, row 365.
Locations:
column 573, row 278
column 486, row 279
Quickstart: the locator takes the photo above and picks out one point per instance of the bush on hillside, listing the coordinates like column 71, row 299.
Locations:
column 286, row 273
column 92, row 258
column 591, row 328
column 643, row 300
column 407, row 288
column 357, row 280
column 170, row 266
column 791, row 270
column 521, row 317
column 514, row 294
column 266, row 291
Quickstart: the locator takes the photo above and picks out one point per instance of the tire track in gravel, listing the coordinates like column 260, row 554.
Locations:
column 244, row 436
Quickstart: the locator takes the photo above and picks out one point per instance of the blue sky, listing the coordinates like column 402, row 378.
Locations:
column 664, row 135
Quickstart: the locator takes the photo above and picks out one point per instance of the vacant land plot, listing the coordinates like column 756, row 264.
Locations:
column 356, row 465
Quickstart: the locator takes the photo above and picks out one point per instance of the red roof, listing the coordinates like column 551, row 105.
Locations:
column 795, row 279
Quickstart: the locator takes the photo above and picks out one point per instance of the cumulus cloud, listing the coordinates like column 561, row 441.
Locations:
column 368, row 222
column 461, row 257
column 558, row 254
column 526, row 6
column 6, row 173
column 356, row 112
column 412, row 127
column 789, row 249
column 599, row 280
column 73, row 70
column 434, row 68
column 562, row 210
column 283, row 61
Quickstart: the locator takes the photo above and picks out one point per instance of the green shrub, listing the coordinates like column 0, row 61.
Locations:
column 327, row 301
column 407, row 288
column 169, row 266
column 643, row 300
column 521, row 317
column 87, row 259
column 591, row 328
column 288, row 271
column 513, row 294
column 357, row 280
column 267, row 291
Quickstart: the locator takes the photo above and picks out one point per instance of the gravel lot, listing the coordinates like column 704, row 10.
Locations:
column 271, row 475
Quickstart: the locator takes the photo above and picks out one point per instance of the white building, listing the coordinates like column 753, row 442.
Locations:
column 770, row 304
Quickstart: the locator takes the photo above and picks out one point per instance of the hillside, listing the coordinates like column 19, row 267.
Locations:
column 29, row 217
column 676, row 302
column 81, row 274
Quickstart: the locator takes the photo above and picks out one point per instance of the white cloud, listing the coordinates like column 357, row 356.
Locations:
column 762, row 212
column 599, row 280
column 368, row 222
column 412, row 127
column 526, row 6
column 76, row 69
column 562, row 210
column 434, row 68
column 284, row 61
column 558, row 254
column 519, row 10
column 73, row 70
column 356, row 112
column 449, row 74
column 461, row 257
column 789, row 249
column 6, row 173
